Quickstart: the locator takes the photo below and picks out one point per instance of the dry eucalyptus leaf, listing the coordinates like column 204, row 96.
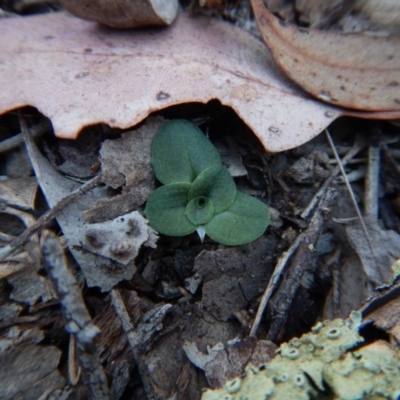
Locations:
column 78, row 74
column 124, row 13
column 355, row 70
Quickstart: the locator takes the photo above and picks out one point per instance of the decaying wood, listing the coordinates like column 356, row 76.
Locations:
column 280, row 268
column 77, row 318
column 141, row 336
column 282, row 301
column 372, row 179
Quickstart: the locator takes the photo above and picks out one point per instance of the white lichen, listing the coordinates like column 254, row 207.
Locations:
column 321, row 364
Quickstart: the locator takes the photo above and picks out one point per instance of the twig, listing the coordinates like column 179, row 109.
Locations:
column 76, row 316
column 353, row 199
column 284, row 297
column 333, row 264
column 372, row 183
column 50, row 214
column 139, row 339
column 74, row 375
column 273, row 282
column 123, row 316
column 355, row 149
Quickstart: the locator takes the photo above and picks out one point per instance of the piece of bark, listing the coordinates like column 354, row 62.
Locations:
column 282, row 301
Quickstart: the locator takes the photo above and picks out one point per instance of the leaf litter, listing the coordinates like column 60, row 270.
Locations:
column 166, row 313
column 224, row 298
column 134, row 73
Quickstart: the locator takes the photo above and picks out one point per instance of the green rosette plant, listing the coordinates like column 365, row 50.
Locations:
column 198, row 192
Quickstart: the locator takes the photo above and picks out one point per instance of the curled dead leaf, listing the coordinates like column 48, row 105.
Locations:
column 124, row 13
column 355, row 70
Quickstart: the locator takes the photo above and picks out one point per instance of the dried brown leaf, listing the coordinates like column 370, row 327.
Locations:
column 355, row 70
column 78, row 73
column 124, row 13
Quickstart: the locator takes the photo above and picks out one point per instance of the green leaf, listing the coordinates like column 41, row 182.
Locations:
column 200, row 210
column 217, row 184
column 243, row 222
column 180, row 152
column 165, row 210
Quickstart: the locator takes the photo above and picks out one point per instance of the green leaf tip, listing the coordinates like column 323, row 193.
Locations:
column 180, row 152
column 199, row 194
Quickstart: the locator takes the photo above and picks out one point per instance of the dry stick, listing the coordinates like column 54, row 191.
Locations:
column 18, row 139
column 123, row 315
column 50, row 214
column 76, row 316
column 73, row 375
column 372, row 184
column 281, row 265
column 273, row 282
column 353, row 199
column 355, row 149
column 283, row 299
column 139, row 338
